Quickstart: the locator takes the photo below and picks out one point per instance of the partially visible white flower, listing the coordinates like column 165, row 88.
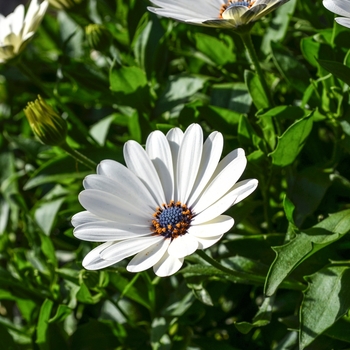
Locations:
column 165, row 204
column 17, row 28
column 341, row 8
column 215, row 13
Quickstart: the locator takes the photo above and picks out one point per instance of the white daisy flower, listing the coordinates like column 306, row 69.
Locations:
column 215, row 13
column 165, row 204
column 341, row 8
column 16, row 29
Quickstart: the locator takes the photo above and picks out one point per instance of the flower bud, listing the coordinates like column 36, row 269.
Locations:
column 64, row 4
column 98, row 37
column 47, row 125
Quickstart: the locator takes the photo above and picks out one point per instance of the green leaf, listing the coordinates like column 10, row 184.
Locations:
column 262, row 318
column 310, row 49
column 48, row 249
column 221, row 55
column 94, row 335
column 99, row 130
column 221, row 119
column 338, row 69
column 339, row 330
column 325, row 301
column 280, row 113
column 288, row 209
column 307, row 192
column 129, row 290
column 291, row 142
column 292, row 70
column 84, row 295
column 232, row 96
column 178, row 91
column 305, row 244
column 247, row 136
column 201, row 293
column 46, row 213
column 159, row 337
column 256, row 90
column 43, row 324
column 149, row 48
column 63, row 311
column 278, row 26
column 7, row 341
column 130, row 86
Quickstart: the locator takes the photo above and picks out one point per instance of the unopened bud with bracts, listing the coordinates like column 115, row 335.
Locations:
column 98, row 37
column 64, row 4
column 47, row 125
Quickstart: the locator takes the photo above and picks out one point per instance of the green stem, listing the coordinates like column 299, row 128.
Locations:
column 211, row 261
column 50, row 94
column 79, row 157
column 247, row 41
column 249, row 277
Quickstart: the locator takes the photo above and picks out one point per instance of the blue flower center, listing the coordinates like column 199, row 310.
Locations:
column 170, row 216
column 171, row 220
column 233, row 3
column 240, row 3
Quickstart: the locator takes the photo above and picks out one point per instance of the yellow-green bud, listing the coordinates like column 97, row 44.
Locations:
column 47, row 125
column 64, row 4
column 98, row 37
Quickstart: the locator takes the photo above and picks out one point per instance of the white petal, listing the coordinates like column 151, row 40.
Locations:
column 204, row 243
column 139, row 163
column 17, row 19
column 226, row 175
column 34, row 15
column 148, row 257
column 93, row 261
column 343, row 21
column 167, row 266
column 183, row 246
column 237, row 193
column 175, row 137
column 197, row 9
column 244, row 188
column 210, row 158
column 106, row 231
column 109, row 207
column 158, row 149
column 189, row 158
column 84, row 217
column 212, row 228
column 124, row 177
column 340, row 7
column 122, row 191
column 121, row 250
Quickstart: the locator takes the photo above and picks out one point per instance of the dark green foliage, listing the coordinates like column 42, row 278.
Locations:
column 288, row 250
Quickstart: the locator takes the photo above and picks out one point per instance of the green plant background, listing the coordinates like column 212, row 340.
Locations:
column 289, row 248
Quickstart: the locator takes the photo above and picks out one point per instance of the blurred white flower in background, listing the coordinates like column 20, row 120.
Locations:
column 165, row 204
column 341, row 8
column 215, row 13
column 17, row 28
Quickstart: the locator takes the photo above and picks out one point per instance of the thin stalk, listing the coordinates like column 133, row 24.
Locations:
column 211, row 261
column 247, row 41
column 26, row 71
column 79, row 157
column 249, row 277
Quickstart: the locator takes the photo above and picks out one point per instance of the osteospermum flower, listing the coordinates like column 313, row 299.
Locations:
column 215, row 13
column 341, row 8
column 16, row 29
column 164, row 205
